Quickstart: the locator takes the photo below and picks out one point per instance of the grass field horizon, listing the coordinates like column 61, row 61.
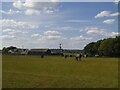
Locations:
column 58, row 72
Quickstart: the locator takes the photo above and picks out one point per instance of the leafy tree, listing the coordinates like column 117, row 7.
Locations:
column 107, row 47
column 96, row 46
column 116, row 47
column 4, row 50
column 89, row 49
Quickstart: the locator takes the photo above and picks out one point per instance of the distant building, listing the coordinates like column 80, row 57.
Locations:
column 46, row 52
column 18, row 51
column 40, row 52
column 11, row 52
column 56, row 51
column 25, row 51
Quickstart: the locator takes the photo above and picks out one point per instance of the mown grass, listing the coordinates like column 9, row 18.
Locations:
column 58, row 72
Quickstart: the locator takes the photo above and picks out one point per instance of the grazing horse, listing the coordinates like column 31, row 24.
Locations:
column 66, row 56
column 78, row 56
column 85, row 55
column 42, row 56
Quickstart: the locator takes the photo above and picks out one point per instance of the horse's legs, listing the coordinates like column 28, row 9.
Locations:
column 77, row 58
column 80, row 58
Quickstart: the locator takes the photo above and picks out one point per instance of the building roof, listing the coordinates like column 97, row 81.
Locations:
column 56, row 50
column 39, row 50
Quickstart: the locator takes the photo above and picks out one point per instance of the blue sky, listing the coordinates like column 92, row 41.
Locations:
column 45, row 25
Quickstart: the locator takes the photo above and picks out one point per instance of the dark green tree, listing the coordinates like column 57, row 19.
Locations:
column 107, row 47
column 89, row 49
column 96, row 46
column 116, row 47
column 4, row 51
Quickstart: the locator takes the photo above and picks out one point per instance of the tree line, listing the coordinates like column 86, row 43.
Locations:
column 109, row 47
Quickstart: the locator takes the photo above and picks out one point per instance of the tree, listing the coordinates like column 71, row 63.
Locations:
column 116, row 47
column 96, row 46
column 89, row 49
column 106, row 47
column 4, row 50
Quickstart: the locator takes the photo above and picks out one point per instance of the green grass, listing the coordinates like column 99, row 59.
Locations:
column 58, row 72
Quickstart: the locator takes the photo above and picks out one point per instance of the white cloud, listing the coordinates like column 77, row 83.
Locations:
column 10, row 12
column 116, row 1
column 95, row 31
column 50, row 37
column 103, row 14
column 8, row 30
column 101, row 32
column 106, row 14
column 32, row 12
column 35, row 35
column 39, row 5
column 6, row 23
column 80, row 38
column 48, row 11
column 115, row 14
column 52, row 33
column 18, row 4
column 7, row 37
column 109, row 21
column 30, row 7
column 114, row 34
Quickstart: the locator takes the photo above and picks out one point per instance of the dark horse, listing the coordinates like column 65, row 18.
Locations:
column 42, row 56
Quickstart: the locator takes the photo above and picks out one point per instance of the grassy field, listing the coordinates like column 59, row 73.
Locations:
column 58, row 72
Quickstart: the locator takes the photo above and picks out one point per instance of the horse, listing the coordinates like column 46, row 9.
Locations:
column 42, row 56
column 78, row 57
column 66, row 56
